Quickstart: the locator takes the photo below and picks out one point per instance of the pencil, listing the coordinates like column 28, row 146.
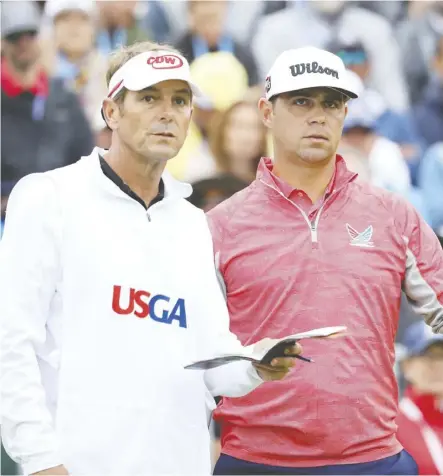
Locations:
column 300, row 357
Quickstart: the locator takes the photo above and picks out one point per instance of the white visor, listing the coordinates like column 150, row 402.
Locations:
column 147, row 69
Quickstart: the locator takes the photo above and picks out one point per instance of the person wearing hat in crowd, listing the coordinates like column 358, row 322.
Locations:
column 387, row 165
column 420, row 420
column 308, row 245
column 99, row 312
column 43, row 125
column 397, row 126
column 70, row 52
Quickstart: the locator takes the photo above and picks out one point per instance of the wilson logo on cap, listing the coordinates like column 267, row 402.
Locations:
column 302, row 68
column 165, row 62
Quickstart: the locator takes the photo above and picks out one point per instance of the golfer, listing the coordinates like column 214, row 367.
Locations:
column 308, row 244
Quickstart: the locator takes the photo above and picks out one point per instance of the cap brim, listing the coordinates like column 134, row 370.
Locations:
column 20, row 29
column 343, row 86
column 346, row 92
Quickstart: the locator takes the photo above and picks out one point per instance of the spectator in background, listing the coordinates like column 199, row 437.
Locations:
column 238, row 140
column 387, row 167
column 356, row 161
column 418, row 38
column 43, row 125
column 318, row 23
column 430, row 182
column 241, row 18
column 207, row 33
column 71, row 55
column 153, row 19
column 420, row 420
column 399, row 127
column 208, row 193
column 224, row 81
column 392, row 11
column 119, row 25
column 429, row 109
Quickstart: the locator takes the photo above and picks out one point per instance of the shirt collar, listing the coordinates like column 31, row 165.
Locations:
column 173, row 189
column 114, row 177
column 341, row 176
column 12, row 88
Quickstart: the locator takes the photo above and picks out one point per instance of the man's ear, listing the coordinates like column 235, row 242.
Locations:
column 266, row 111
column 111, row 113
column 346, row 109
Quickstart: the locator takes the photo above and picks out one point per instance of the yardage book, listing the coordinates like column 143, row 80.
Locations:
column 267, row 349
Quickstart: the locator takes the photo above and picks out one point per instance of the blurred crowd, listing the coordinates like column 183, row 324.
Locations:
column 54, row 60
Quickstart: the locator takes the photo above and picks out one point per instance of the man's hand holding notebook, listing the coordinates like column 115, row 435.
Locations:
column 263, row 352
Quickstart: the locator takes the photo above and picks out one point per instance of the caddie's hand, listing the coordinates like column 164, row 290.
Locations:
column 56, row 471
column 280, row 366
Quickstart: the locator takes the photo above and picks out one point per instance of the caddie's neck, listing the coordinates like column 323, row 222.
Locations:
column 311, row 177
column 141, row 175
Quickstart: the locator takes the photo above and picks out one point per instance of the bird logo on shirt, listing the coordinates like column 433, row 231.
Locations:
column 362, row 239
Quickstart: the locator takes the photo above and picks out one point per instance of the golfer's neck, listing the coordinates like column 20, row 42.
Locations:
column 141, row 176
column 313, row 180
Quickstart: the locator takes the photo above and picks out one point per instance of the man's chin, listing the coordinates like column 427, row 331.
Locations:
column 162, row 153
column 315, row 155
column 23, row 62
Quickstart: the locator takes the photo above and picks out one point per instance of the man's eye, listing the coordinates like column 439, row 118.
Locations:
column 148, row 98
column 180, row 101
column 300, row 101
column 332, row 104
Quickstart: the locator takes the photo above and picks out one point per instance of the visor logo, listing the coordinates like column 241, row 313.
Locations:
column 165, row 62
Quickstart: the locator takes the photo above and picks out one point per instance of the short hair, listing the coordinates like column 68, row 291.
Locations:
column 123, row 54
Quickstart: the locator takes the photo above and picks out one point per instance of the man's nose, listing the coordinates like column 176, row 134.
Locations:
column 24, row 40
column 318, row 117
column 166, row 109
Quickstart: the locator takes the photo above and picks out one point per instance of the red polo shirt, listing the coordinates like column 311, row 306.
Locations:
column 12, row 88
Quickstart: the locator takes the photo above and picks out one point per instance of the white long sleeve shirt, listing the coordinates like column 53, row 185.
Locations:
column 101, row 306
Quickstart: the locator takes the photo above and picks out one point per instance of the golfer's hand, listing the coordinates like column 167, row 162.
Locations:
column 56, row 471
column 279, row 367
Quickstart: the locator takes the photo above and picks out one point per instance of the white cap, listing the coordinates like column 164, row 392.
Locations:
column 55, row 7
column 305, row 68
column 147, row 69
